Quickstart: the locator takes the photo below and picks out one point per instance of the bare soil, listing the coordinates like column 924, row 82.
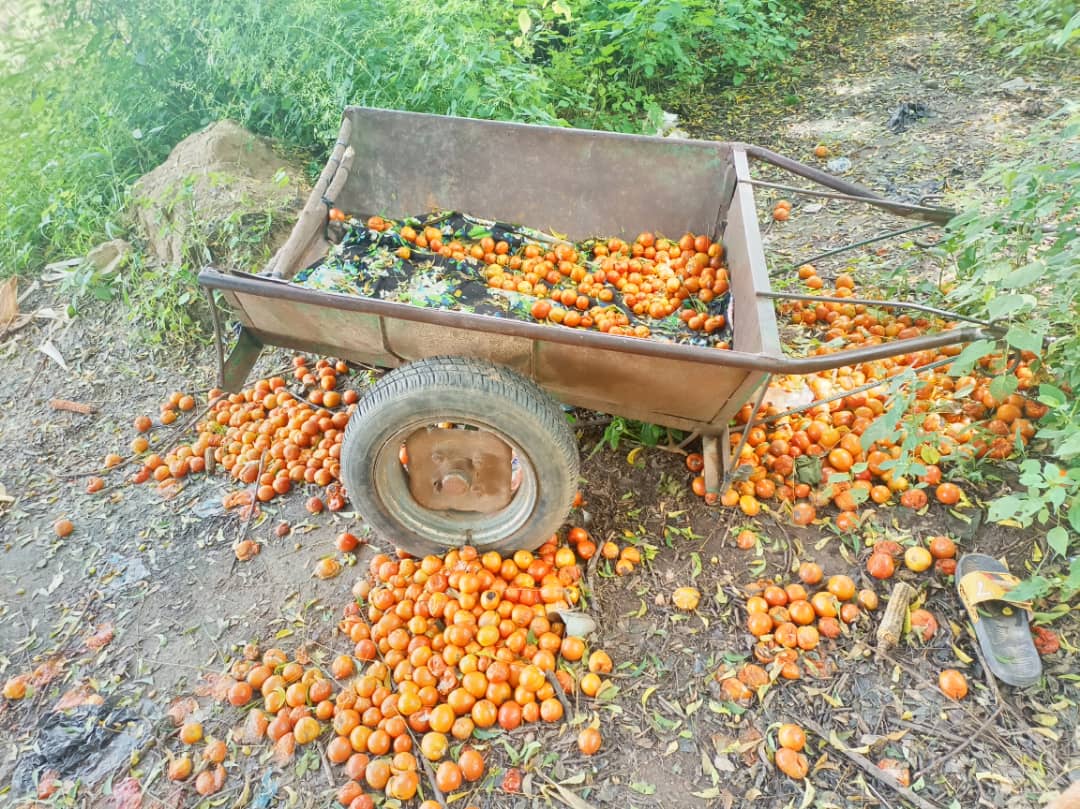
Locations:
column 163, row 576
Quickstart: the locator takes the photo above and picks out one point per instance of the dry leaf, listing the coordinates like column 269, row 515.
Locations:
column 101, row 638
column 180, row 708
column 9, row 302
column 578, row 624
column 750, row 738
column 75, row 697
column 50, row 351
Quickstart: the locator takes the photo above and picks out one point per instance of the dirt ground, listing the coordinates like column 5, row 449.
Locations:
column 162, row 574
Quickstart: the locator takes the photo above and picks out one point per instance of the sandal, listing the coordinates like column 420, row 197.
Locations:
column 1000, row 622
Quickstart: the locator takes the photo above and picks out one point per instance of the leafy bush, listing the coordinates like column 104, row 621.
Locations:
column 1030, row 28
column 93, row 102
column 1017, row 260
column 621, row 56
column 67, row 154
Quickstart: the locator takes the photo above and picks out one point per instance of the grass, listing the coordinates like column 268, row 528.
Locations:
column 94, row 94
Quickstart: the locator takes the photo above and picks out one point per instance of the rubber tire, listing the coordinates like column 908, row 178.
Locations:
column 449, row 388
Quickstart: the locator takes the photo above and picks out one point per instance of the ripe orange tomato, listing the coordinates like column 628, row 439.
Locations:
column 810, row 573
column 791, row 736
column 953, row 684
column 842, row 587
column 589, row 741
column 942, row 548
column 791, row 763
column 947, row 493
column 880, row 566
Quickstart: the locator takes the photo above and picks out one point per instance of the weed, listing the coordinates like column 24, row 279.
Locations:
column 163, row 303
column 1030, row 29
column 1016, row 258
column 639, row 433
column 93, row 94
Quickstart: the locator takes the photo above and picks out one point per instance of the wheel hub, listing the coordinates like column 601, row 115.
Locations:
column 459, row 470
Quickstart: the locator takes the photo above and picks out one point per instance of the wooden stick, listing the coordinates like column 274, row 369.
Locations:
column 72, row 407
column 892, row 622
column 868, row 767
column 568, row 711
column 313, row 214
column 976, row 734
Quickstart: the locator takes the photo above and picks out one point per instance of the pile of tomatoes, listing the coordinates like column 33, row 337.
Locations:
column 265, row 436
column 940, row 552
column 576, row 286
column 787, row 620
column 788, row 623
column 957, row 416
column 441, row 646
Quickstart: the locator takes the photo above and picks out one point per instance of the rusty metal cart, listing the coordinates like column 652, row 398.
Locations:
column 509, row 478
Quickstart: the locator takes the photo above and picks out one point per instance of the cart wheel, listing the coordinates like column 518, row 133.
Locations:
column 449, row 451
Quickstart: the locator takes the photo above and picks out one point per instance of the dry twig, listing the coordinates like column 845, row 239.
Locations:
column 868, row 767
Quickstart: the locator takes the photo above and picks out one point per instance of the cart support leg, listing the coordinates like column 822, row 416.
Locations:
column 234, row 372
column 730, row 471
column 710, row 451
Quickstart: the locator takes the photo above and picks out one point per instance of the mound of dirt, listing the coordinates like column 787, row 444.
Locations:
column 223, row 195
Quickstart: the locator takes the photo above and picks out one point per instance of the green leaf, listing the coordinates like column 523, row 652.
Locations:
column 1058, row 539
column 808, row 470
column 1024, row 339
column 524, row 21
column 1051, row 396
column 1004, row 305
column 1003, row 508
column 1024, row 276
column 1072, row 581
column 1035, row 587
column 967, row 358
column 643, row 787
column 1003, row 385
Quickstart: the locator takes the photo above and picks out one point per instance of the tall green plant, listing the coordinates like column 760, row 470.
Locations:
column 1017, row 261
column 1027, row 29
column 102, row 89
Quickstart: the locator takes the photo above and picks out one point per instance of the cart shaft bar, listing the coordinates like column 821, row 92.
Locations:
column 939, row 215
column 919, row 307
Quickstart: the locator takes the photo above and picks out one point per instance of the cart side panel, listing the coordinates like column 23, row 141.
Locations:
column 336, row 332
column 411, row 340
column 662, row 391
column 755, row 320
column 580, row 182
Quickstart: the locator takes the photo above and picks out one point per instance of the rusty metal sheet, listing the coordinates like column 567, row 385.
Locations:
column 459, row 470
column 662, row 391
column 413, row 341
column 350, row 335
column 754, row 325
column 579, row 182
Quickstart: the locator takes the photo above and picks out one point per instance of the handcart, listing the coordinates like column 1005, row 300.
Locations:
column 507, row 476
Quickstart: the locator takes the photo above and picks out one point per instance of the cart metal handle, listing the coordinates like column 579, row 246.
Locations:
column 847, row 190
